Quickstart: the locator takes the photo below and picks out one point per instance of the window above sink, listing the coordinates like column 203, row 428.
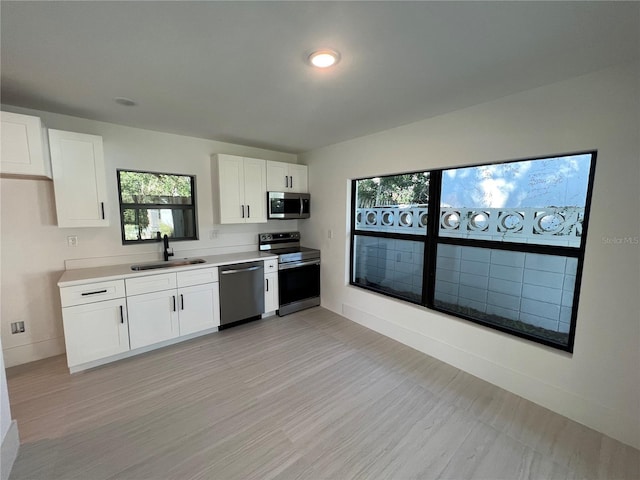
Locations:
column 156, row 204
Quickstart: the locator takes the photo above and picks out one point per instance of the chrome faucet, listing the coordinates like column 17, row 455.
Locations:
column 168, row 252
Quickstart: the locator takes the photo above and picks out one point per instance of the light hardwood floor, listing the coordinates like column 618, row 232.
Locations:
column 311, row 396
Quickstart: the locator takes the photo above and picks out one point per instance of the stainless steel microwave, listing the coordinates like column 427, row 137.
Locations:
column 285, row 205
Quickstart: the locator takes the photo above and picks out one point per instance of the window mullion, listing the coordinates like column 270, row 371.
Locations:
column 431, row 243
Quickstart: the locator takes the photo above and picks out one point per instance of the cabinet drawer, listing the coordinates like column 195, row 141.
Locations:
column 91, row 292
column 151, row 283
column 197, row 277
column 270, row 266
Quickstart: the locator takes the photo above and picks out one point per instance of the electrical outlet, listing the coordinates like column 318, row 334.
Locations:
column 17, row 327
column 72, row 240
column 213, row 234
column 330, row 233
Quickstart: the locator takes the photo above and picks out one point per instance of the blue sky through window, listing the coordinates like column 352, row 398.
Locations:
column 550, row 182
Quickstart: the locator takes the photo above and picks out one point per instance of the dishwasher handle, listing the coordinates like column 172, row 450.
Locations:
column 240, row 270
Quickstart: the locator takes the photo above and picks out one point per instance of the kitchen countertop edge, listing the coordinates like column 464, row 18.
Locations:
column 83, row 276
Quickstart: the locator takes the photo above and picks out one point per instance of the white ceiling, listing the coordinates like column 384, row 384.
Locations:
column 236, row 72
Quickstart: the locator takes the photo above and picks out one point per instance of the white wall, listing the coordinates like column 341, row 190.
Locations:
column 34, row 250
column 9, row 437
column 5, row 409
column 598, row 385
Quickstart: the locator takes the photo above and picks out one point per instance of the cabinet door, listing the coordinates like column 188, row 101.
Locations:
column 78, row 179
column 95, row 331
column 231, row 188
column 298, row 178
column 199, row 308
column 153, row 318
column 24, row 150
column 255, row 190
column 277, row 177
column 271, row 292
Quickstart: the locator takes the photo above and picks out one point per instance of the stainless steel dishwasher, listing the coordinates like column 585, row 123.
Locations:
column 241, row 292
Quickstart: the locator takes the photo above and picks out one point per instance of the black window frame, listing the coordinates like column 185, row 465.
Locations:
column 432, row 239
column 159, row 206
column 391, row 235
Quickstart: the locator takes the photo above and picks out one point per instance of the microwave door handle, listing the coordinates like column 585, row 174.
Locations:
column 301, row 205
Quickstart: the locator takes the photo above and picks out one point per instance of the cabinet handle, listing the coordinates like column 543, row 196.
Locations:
column 248, row 211
column 291, row 182
column 267, row 284
column 121, row 314
column 286, row 181
column 242, row 211
column 97, row 292
column 102, row 208
column 181, row 302
column 174, row 302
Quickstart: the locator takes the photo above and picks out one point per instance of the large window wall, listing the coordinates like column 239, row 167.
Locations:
column 501, row 245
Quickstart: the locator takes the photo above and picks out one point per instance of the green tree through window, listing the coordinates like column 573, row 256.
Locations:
column 405, row 189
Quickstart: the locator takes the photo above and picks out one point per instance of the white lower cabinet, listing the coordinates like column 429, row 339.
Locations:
column 153, row 318
column 95, row 330
column 270, row 292
column 113, row 319
column 95, row 323
column 197, row 304
column 169, row 305
column 271, row 301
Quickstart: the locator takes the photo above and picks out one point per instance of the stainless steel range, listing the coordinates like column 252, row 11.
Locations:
column 298, row 271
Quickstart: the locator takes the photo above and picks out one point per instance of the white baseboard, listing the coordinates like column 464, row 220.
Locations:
column 33, row 351
column 618, row 425
column 10, row 447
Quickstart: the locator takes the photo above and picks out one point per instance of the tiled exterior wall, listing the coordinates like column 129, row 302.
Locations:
column 532, row 288
column 395, row 264
column 535, row 289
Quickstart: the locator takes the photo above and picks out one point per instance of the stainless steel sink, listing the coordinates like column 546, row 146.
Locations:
column 172, row 263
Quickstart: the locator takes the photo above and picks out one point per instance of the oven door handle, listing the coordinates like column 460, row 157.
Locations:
column 287, row 266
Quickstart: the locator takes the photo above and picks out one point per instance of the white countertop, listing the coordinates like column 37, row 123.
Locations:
column 82, row 276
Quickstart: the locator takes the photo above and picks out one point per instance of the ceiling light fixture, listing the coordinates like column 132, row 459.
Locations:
column 127, row 102
column 324, row 58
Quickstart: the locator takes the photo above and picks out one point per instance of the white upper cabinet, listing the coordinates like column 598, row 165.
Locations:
column 298, row 178
column 277, row 177
column 241, row 184
column 24, row 146
column 287, row 177
column 79, row 182
column 255, row 190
